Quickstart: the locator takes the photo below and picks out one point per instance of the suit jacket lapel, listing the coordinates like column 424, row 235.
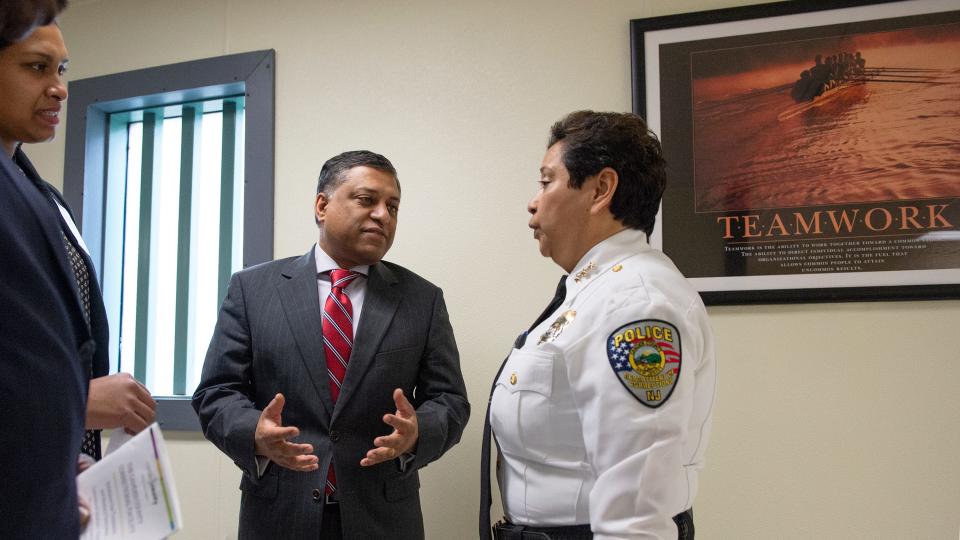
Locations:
column 99, row 327
column 301, row 306
column 52, row 228
column 379, row 306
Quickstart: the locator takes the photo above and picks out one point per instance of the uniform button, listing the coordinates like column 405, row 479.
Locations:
column 334, row 436
column 317, row 495
column 513, row 378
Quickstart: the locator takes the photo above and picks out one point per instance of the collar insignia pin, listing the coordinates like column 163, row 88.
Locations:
column 583, row 273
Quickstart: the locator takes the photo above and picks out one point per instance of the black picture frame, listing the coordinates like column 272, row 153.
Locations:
column 669, row 56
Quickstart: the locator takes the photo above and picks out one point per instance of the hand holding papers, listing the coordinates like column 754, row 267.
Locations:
column 130, row 492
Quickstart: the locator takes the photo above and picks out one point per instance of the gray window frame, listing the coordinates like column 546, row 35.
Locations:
column 84, row 179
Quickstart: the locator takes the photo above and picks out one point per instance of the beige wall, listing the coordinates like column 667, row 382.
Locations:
column 834, row 420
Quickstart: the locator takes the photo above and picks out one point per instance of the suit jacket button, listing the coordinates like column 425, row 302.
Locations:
column 317, row 495
column 334, row 436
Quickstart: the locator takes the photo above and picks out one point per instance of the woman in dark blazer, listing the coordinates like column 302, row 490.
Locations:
column 45, row 343
column 53, row 326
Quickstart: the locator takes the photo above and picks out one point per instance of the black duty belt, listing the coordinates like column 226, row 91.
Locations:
column 504, row 530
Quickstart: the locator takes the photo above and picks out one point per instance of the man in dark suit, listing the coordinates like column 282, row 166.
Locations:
column 329, row 430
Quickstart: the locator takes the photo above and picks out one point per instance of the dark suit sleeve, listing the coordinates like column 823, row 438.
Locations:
column 441, row 396
column 224, row 398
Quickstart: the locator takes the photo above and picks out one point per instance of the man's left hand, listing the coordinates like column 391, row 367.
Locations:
column 404, row 437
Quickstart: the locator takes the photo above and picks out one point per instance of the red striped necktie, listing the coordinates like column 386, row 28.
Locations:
column 337, row 340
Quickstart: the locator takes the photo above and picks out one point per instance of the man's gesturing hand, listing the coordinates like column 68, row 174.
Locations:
column 270, row 440
column 404, row 437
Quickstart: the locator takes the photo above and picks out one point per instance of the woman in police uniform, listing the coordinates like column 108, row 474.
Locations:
column 601, row 413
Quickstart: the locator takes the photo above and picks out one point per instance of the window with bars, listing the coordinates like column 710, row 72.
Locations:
column 173, row 169
column 174, row 236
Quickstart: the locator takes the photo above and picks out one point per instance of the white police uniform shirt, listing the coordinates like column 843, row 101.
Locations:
column 603, row 415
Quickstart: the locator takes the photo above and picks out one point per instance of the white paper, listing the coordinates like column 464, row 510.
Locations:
column 131, row 493
column 118, row 437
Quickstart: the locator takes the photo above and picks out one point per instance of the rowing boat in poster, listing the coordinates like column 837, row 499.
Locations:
column 856, row 82
column 857, row 118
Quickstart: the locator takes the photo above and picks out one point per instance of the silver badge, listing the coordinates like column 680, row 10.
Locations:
column 557, row 327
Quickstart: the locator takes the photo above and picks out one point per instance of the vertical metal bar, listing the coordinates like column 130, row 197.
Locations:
column 189, row 152
column 147, row 172
column 114, row 226
column 227, row 179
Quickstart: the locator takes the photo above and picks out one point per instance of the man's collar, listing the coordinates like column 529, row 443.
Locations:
column 325, row 263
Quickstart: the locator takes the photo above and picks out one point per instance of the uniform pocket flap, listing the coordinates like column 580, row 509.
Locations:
column 530, row 371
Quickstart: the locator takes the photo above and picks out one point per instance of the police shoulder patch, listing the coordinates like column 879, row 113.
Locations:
column 645, row 357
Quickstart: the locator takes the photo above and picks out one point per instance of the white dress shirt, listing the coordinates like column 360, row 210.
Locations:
column 72, row 226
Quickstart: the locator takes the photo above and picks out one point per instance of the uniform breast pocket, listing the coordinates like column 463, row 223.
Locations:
column 521, row 408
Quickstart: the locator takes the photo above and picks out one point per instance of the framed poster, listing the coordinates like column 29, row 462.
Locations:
column 813, row 148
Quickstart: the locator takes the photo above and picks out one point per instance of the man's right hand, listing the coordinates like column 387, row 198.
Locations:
column 270, row 440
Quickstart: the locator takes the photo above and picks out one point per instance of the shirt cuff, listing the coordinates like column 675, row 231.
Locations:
column 404, row 461
column 262, row 463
